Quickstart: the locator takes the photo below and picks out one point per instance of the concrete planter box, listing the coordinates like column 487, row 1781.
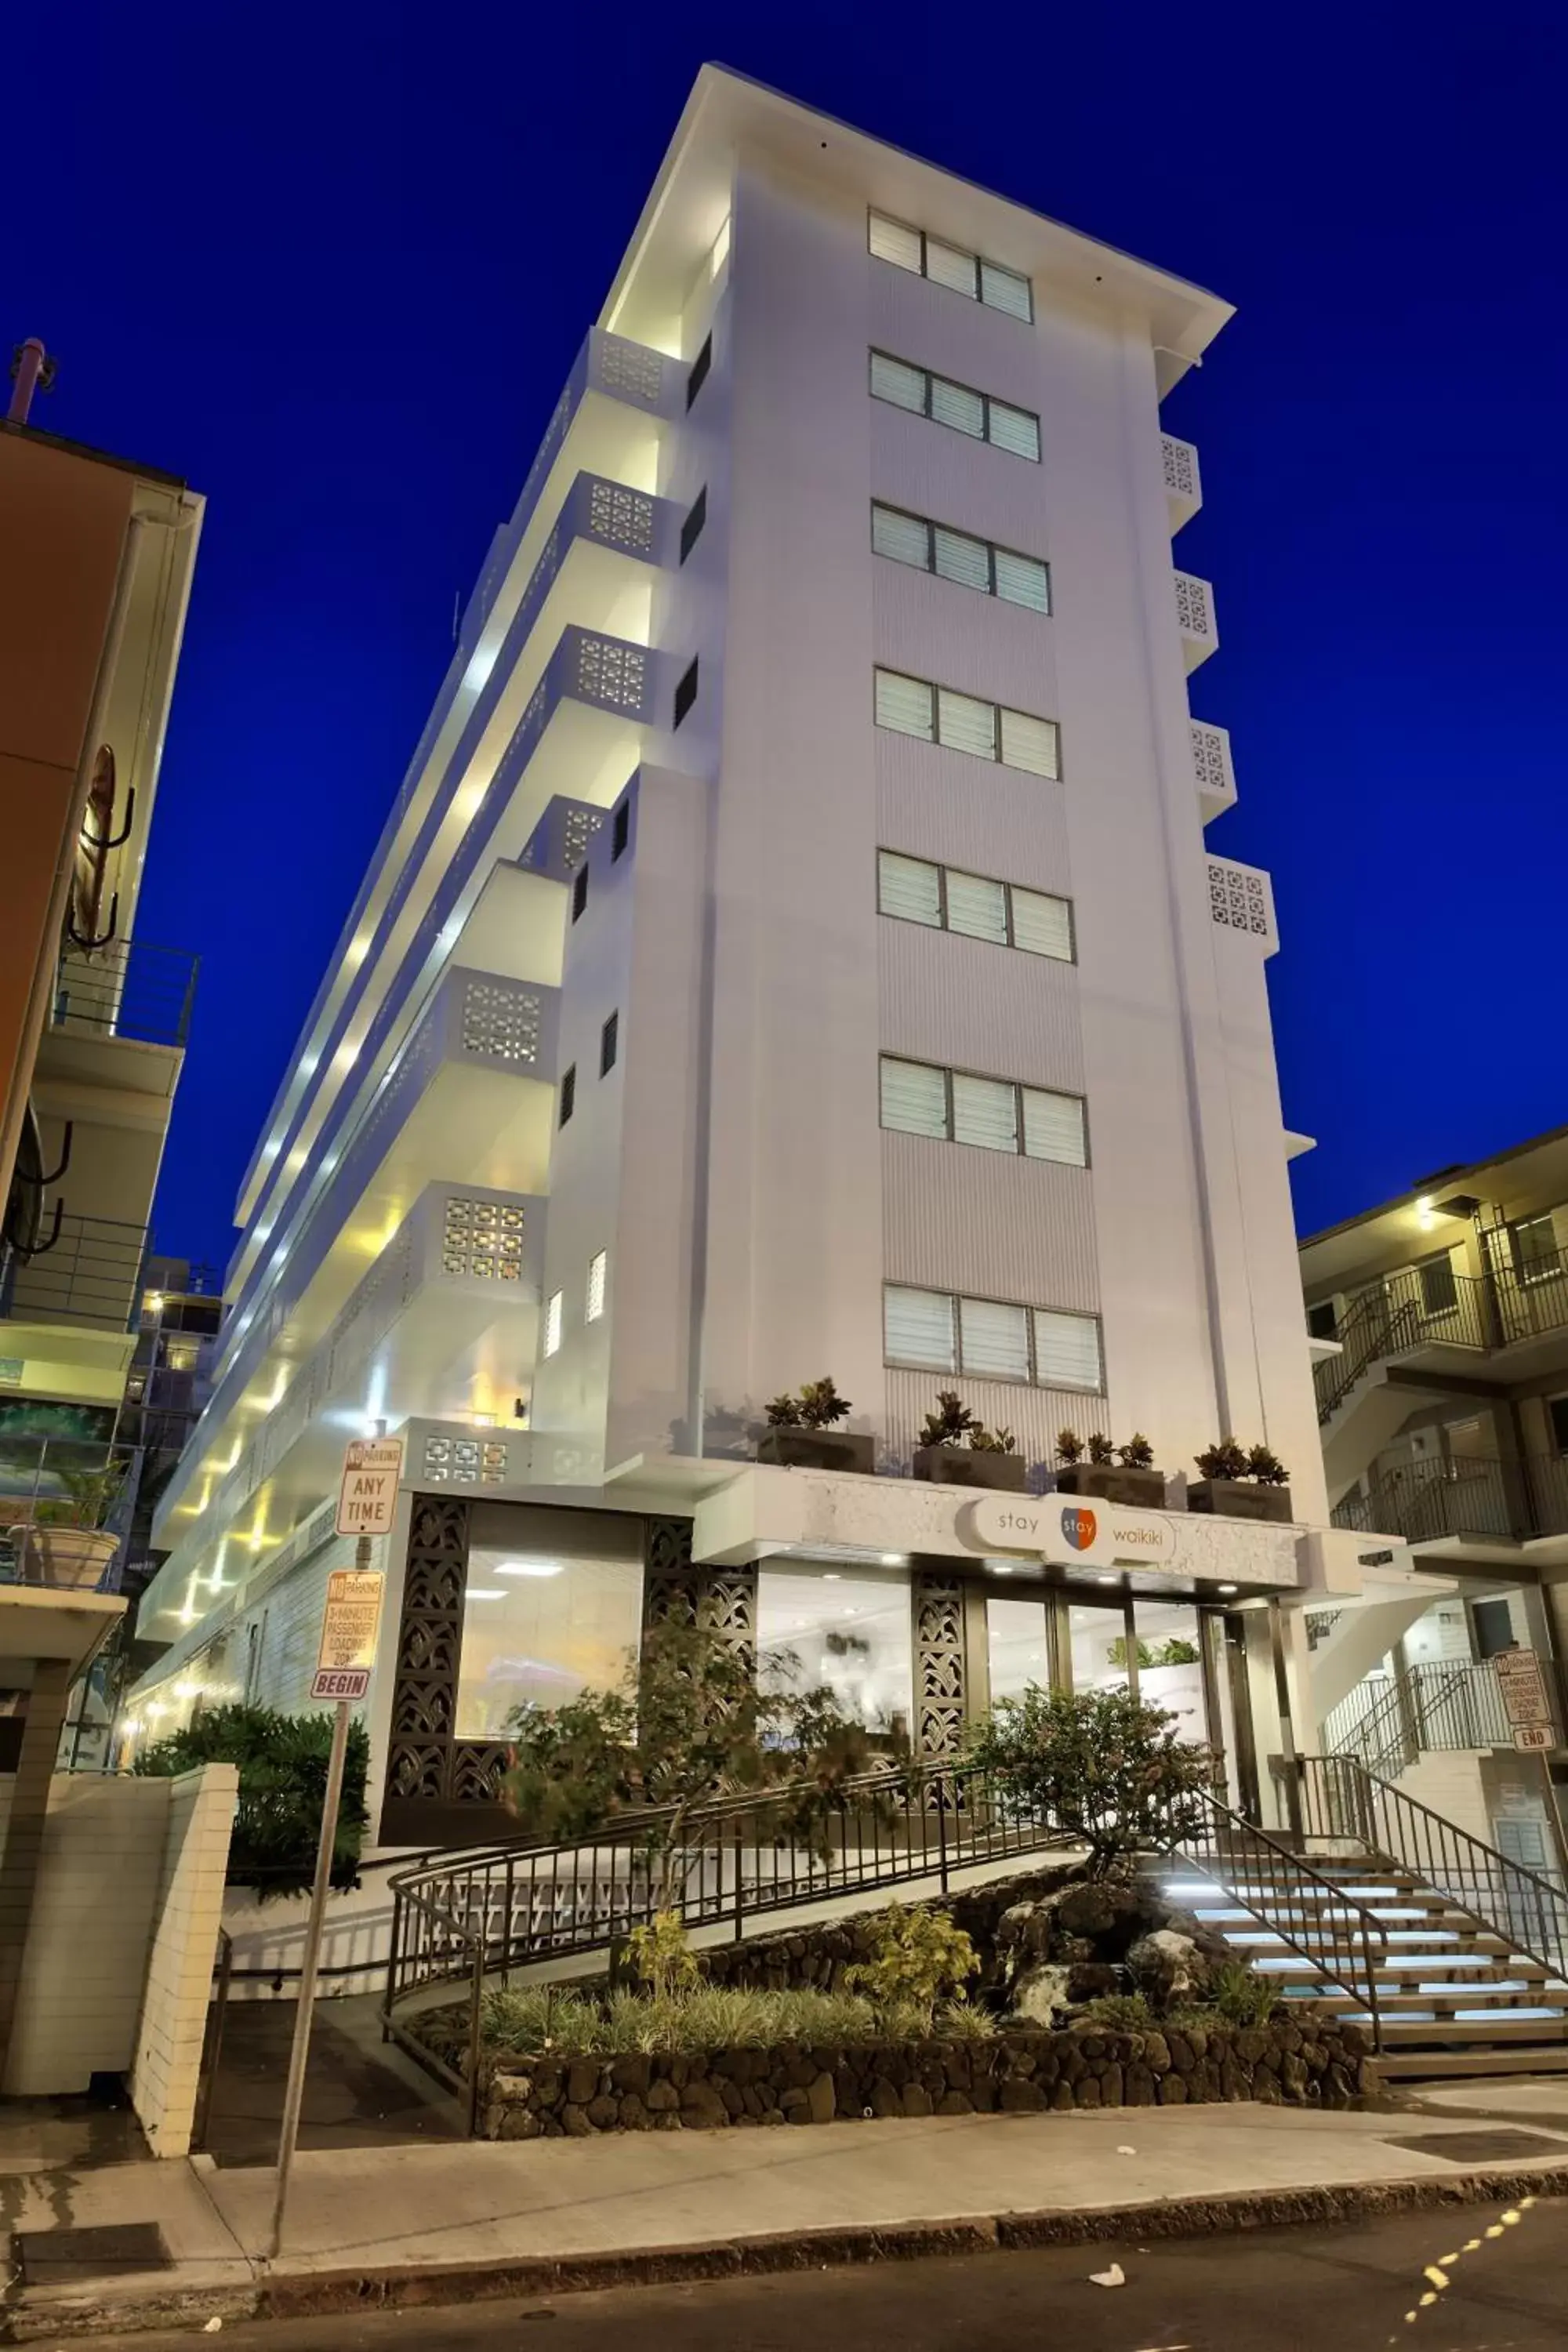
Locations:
column 817, row 1449
column 1239, row 1498
column 1132, row 1490
column 956, row 1466
column 1282, row 2064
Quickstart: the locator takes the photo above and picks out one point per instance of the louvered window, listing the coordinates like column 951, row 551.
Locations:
column 1066, row 1350
column 960, row 406
column 904, row 704
column 896, row 381
column 1022, row 579
column 1054, row 1126
column 959, row 556
column 1042, row 925
column 918, row 1328
column 951, row 266
column 1030, row 743
column 977, row 908
column 985, row 1113
column 995, row 1339
column 908, row 888
column 966, row 724
column 904, row 537
column 914, row 1098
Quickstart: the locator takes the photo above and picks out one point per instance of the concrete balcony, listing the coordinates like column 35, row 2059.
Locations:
column 473, row 1089
column 1216, row 775
column 1183, row 483
column 436, row 1328
column 1241, row 900
column 1196, row 619
column 68, row 1311
column 579, row 739
column 590, row 583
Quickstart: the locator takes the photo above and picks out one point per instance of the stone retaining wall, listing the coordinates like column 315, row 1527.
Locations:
column 1309, row 2065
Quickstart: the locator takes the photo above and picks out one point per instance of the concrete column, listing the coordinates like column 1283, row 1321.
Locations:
column 24, row 1834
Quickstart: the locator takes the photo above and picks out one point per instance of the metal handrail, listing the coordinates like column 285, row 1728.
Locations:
column 473, row 1915
column 1397, row 1316
column 1340, row 1797
column 1284, row 1872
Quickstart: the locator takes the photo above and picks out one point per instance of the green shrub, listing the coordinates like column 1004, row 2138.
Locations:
column 917, row 1956
column 661, row 1955
column 1123, row 2012
column 282, row 1761
column 1241, row 1996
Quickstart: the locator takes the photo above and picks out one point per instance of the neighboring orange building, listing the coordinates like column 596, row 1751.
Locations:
column 96, row 557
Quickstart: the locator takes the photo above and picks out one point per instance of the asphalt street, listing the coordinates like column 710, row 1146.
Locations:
column 1351, row 2290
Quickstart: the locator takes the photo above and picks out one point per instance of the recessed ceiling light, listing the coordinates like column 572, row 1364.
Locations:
column 530, row 1566
column 831, row 1576
column 1110, row 1577
column 895, row 1560
column 1227, row 1588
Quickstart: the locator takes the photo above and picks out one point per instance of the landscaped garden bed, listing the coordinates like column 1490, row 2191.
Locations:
column 838, row 2067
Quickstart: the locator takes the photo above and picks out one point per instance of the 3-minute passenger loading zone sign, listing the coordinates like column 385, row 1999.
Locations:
column 349, row 1633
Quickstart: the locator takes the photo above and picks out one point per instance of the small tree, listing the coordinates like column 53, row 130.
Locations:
column 1137, row 1453
column 1101, row 1452
column 916, row 1956
column 1070, row 1448
column 1103, row 1765
column 688, row 1722
column 1266, row 1467
column 992, row 1441
column 1226, row 1460
column 282, row 1761
column 951, row 1423
column 816, row 1404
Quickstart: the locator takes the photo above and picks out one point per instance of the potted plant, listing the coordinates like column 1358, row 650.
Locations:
column 64, row 1542
column 956, row 1449
column 1113, row 1474
column 1238, row 1483
column 801, row 1436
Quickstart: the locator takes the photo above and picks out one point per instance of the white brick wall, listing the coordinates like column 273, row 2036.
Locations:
column 168, row 2051
column 120, row 1946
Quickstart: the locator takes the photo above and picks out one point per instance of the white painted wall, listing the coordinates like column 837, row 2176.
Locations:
column 120, row 1952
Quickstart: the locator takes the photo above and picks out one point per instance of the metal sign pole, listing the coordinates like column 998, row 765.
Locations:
column 304, row 2016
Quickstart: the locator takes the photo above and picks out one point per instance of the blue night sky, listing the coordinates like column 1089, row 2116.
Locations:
column 333, row 267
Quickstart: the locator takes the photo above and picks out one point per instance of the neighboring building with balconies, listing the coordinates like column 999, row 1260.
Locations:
column 1440, row 1323
column 794, row 951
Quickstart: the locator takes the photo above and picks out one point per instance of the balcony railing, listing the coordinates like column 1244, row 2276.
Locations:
column 65, row 1509
column 1437, row 1707
column 1431, row 1305
column 1469, row 1495
column 89, row 1272
column 126, row 989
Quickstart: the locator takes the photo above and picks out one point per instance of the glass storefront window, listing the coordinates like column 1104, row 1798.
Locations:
column 848, row 1629
column 1099, row 1641
column 1169, row 1664
column 554, row 1606
column 1018, row 1646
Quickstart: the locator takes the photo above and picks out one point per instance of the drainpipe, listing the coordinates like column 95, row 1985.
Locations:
column 34, row 370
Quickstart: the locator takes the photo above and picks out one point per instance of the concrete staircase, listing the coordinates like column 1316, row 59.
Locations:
column 1454, row 1996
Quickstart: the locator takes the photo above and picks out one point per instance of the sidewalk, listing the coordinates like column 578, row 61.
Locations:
column 435, row 2222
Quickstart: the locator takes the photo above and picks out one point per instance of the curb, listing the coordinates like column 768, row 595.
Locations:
column 304, row 2295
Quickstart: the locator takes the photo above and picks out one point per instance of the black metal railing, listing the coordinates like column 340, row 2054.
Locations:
column 89, row 1272
column 54, row 1487
column 127, row 989
column 1530, row 1305
column 1338, row 1799
column 1345, row 1941
column 1475, row 1495
column 1422, row 1307
column 212, row 2039
column 469, row 1918
column 1437, row 1706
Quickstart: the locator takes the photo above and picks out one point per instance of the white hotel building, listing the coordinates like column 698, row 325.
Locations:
column 793, row 950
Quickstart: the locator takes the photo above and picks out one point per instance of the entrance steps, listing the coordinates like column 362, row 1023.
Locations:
column 1454, row 1996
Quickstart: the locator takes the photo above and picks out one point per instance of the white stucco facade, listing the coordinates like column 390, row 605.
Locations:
column 565, row 854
